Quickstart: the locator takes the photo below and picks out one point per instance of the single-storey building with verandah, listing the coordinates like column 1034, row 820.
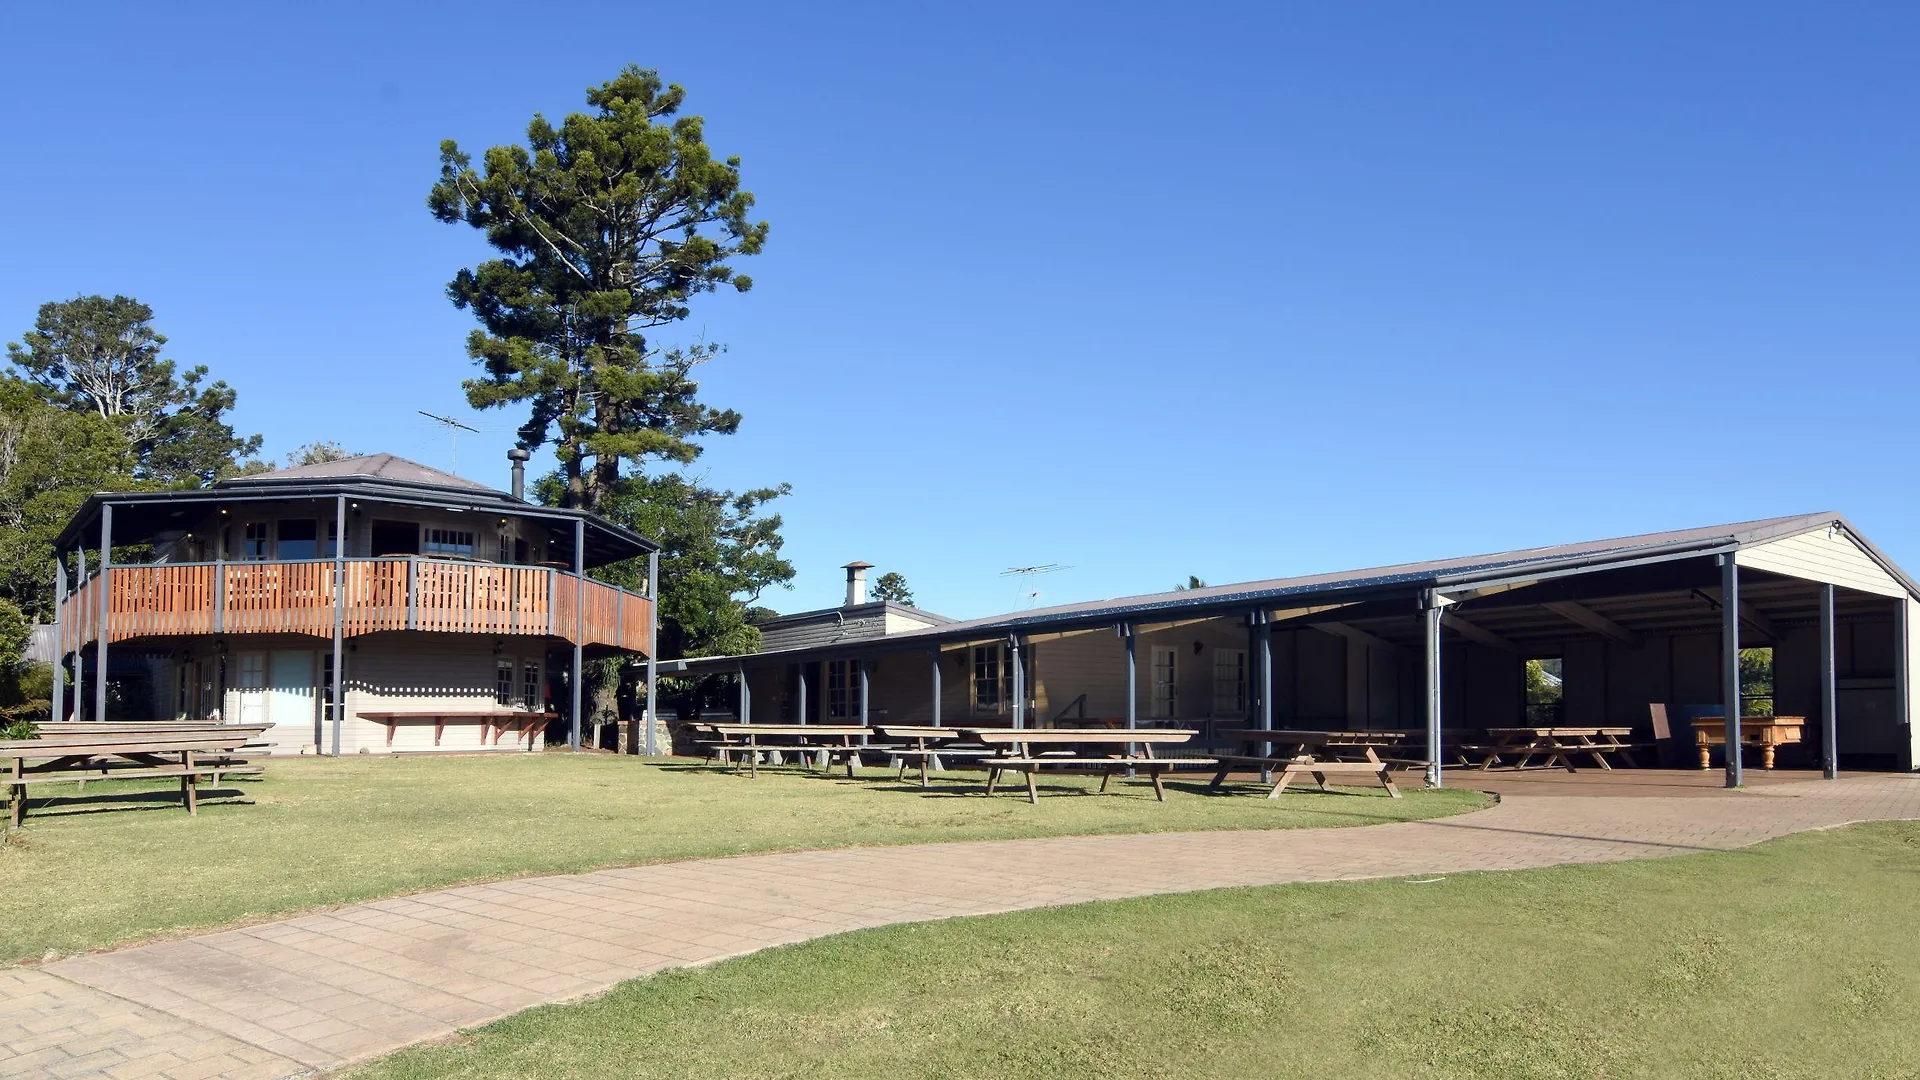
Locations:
column 1643, row 632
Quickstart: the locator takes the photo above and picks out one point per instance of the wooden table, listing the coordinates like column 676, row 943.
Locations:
column 1555, row 745
column 1017, row 753
column 68, row 758
column 1766, row 732
column 837, row 740
column 927, row 745
column 494, row 722
column 1310, row 753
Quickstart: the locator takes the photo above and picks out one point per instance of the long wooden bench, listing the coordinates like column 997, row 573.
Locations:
column 1287, row 770
column 76, row 758
column 492, row 722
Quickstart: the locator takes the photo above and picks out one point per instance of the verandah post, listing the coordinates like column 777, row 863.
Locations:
column 60, row 627
column 1019, row 682
column 339, row 611
column 1829, row 695
column 579, row 626
column 1265, row 619
column 79, row 635
column 1730, row 662
column 1431, row 619
column 653, row 646
column 106, row 612
column 936, row 686
column 1133, row 704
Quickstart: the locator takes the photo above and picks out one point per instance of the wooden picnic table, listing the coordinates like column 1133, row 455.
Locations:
column 911, row 742
column 836, row 740
column 1018, row 753
column 73, row 758
column 1310, row 753
column 1766, row 732
column 496, row 722
column 1558, row 744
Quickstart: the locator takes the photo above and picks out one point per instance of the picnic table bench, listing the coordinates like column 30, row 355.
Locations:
column 71, row 758
column 1318, row 754
column 829, row 741
column 1767, row 732
column 911, row 742
column 1554, row 745
column 496, row 722
column 1018, row 753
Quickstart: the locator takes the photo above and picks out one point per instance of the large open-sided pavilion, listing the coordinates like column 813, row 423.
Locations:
column 1438, row 647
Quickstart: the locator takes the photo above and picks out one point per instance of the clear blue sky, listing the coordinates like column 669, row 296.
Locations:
column 1150, row 291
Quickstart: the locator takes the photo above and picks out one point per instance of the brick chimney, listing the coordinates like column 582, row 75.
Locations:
column 857, row 582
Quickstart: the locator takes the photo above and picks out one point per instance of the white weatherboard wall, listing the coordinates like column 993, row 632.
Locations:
column 1827, row 555
column 402, row 672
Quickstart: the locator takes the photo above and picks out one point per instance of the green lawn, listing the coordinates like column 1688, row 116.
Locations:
column 1793, row 959
column 99, row 870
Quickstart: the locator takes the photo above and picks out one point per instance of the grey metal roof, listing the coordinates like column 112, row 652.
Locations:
column 377, row 466
column 1405, row 579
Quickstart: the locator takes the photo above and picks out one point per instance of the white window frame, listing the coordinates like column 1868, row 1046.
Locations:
column 532, row 686
column 447, row 543
column 505, row 681
column 1230, row 682
column 1164, row 690
column 841, row 693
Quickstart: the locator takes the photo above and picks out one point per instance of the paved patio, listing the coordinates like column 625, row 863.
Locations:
column 324, row 990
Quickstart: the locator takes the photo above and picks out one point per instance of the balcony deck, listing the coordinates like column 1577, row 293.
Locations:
column 418, row 593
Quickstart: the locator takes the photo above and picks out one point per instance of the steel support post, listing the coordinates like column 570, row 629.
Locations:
column 579, row 627
column 653, row 649
column 1829, row 694
column 936, row 687
column 1431, row 615
column 1019, row 682
column 1266, row 688
column 339, row 613
column 1730, row 663
column 59, row 637
column 746, row 696
column 106, row 612
column 79, row 643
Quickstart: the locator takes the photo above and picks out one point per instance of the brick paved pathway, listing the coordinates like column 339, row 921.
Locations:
column 321, row 990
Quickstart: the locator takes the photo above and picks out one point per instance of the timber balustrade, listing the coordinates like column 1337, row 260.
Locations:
column 297, row 597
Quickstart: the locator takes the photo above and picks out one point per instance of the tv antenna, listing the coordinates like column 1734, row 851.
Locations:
column 1028, row 596
column 454, row 428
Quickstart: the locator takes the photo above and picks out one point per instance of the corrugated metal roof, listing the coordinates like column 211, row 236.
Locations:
column 374, row 466
column 1438, row 573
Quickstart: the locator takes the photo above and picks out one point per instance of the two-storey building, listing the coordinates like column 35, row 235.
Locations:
column 439, row 613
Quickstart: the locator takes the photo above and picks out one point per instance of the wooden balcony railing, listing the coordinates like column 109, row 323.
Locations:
column 376, row 594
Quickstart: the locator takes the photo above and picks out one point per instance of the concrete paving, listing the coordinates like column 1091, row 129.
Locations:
column 319, row 991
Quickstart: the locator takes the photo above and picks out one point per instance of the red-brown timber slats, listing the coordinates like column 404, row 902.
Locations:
column 279, row 598
column 146, row 600
column 380, row 594
column 376, row 596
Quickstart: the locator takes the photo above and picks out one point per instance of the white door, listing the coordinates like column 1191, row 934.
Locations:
column 1164, row 691
column 250, row 684
column 290, row 700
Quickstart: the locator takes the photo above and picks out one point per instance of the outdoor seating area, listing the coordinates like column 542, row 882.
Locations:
column 76, row 753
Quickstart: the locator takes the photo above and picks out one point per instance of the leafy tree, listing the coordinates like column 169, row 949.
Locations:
column 892, row 585
column 608, row 226
column 318, row 453
column 100, row 355
column 1193, row 582
column 50, row 461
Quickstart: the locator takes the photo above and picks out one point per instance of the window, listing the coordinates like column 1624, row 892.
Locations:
column 299, row 540
column 506, row 550
column 530, row 696
column 503, row 682
column 1546, row 690
column 185, row 706
column 1756, row 682
column 329, row 548
column 840, row 696
column 1165, row 699
column 454, row 542
column 1229, row 682
column 255, row 544
column 992, row 685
